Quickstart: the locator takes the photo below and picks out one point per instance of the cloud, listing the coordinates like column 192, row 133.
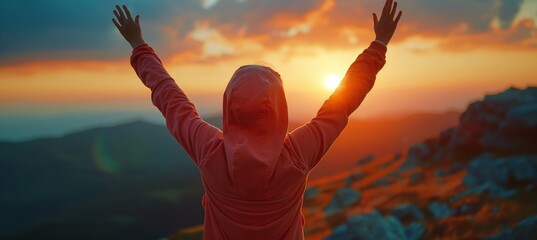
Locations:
column 33, row 30
column 522, row 35
column 65, row 29
column 507, row 12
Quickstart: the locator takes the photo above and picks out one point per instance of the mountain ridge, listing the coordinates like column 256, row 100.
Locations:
column 124, row 161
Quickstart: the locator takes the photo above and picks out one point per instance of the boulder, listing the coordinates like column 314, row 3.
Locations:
column 416, row 177
column 343, row 198
column 414, row 230
column 365, row 160
column 416, row 153
column 501, row 177
column 440, row 210
column 311, row 192
column 452, row 169
column 369, row 227
column 407, row 212
column 514, row 95
column 353, row 178
column 525, row 230
column 501, row 122
column 381, row 182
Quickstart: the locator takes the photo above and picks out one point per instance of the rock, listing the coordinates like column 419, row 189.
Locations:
column 374, row 226
column 369, row 227
column 339, row 233
column 497, row 175
column 407, row 212
column 495, row 209
column 414, row 231
column 343, row 198
column 470, row 208
column 525, row 115
column 416, row 153
column 353, row 178
column 525, row 230
column 440, row 210
column 514, row 95
column 311, row 192
column 365, row 160
column 492, row 189
column 502, row 122
column 417, row 176
column 452, row 169
column 381, row 182
column 445, row 136
column 494, row 141
column 441, row 154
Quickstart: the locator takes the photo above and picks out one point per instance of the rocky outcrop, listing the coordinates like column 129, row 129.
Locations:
column 504, row 122
column 525, row 230
column 369, row 227
column 501, row 176
column 476, row 180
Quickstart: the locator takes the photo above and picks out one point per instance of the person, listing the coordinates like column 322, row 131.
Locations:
column 253, row 171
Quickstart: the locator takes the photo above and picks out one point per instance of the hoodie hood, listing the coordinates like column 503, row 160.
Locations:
column 254, row 126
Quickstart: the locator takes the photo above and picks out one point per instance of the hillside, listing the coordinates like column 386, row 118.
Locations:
column 475, row 180
column 134, row 180
column 379, row 137
column 126, row 181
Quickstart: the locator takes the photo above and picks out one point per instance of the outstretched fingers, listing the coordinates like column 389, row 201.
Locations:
column 117, row 15
column 394, row 10
column 398, row 17
column 120, row 14
column 116, row 23
column 387, row 8
column 127, row 12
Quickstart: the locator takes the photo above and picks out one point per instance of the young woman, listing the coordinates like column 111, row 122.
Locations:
column 254, row 172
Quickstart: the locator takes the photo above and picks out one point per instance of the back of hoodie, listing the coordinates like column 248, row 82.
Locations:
column 254, row 172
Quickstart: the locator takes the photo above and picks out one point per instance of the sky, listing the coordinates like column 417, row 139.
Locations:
column 64, row 66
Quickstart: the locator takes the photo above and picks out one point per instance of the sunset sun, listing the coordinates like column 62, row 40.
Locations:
column 331, row 81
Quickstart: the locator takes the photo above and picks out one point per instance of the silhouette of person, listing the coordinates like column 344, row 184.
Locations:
column 254, row 173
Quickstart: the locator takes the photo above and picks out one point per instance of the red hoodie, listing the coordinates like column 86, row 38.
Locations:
column 254, row 172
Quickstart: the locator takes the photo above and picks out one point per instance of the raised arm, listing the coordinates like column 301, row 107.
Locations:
column 195, row 135
column 311, row 141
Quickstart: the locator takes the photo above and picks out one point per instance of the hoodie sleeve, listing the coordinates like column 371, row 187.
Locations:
column 196, row 136
column 312, row 140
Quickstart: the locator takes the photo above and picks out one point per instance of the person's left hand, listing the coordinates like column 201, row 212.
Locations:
column 129, row 28
column 386, row 25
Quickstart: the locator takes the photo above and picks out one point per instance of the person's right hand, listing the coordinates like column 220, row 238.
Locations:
column 385, row 26
column 128, row 27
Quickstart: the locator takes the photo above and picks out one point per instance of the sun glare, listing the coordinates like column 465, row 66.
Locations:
column 331, row 81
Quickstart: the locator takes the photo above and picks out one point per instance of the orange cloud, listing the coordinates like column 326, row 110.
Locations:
column 209, row 31
column 455, row 25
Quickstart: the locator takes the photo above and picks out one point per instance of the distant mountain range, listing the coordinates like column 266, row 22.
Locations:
column 134, row 181
column 131, row 181
column 379, row 137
